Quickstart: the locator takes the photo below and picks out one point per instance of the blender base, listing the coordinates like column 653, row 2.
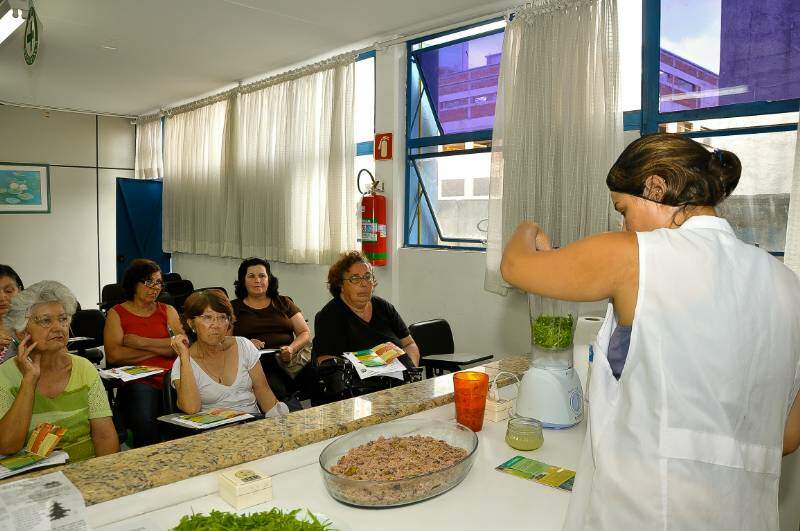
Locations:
column 551, row 395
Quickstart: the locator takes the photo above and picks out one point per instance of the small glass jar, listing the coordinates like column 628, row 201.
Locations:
column 524, row 433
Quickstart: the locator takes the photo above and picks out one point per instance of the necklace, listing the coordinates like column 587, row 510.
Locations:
column 206, row 367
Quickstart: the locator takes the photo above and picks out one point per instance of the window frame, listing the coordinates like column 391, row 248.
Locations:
column 368, row 147
column 648, row 119
column 411, row 167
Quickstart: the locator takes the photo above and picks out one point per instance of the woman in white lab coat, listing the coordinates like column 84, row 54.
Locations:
column 692, row 400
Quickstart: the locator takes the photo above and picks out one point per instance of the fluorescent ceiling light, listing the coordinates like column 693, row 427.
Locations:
column 9, row 23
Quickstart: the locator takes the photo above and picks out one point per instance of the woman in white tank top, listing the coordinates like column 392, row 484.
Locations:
column 691, row 434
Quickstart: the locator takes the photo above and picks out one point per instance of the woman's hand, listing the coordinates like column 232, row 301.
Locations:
column 285, row 353
column 28, row 361
column 132, row 341
column 258, row 343
column 180, row 345
column 532, row 235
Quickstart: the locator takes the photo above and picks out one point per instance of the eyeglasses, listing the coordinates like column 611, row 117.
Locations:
column 153, row 283
column 208, row 320
column 46, row 321
column 369, row 278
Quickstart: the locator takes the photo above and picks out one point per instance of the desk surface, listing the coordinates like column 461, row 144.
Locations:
column 486, row 499
column 458, row 359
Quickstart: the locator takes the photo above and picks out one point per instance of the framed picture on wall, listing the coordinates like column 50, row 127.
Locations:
column 24, row 188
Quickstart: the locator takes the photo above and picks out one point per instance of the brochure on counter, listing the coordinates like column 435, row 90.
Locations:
column 128, row 373
column 37, row 452
column 211, row 418
column 552, row 476
column 43, row 503
column 377, row 361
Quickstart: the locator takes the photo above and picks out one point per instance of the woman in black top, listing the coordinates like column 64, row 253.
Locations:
column 355, row 319
column 269, row 320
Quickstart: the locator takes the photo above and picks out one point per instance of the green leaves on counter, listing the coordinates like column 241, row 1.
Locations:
column 274, row 520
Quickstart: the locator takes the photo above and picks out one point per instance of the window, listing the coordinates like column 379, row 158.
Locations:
column 452, row 92
column 364, row 112
column 727, row 75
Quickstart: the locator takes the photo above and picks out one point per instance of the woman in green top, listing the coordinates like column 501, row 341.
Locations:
column 44, row 383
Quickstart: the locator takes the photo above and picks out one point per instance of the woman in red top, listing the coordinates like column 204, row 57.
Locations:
column 137, row 332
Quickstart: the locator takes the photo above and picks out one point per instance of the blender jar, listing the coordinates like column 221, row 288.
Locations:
column 552, row 331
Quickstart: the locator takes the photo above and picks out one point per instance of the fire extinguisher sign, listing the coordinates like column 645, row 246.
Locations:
column 383, row 146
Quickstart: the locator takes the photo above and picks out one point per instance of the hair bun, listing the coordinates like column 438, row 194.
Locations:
column 725, row 166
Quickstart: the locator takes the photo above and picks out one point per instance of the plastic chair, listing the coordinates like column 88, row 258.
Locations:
column 169, row 396
column 169, row 277
column 89, row 324
column 180, row 291
column 432, row 337
column 110, row 296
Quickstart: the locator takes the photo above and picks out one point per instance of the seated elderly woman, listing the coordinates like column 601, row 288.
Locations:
column 218, row 370
column 137, row 332
column 45, row 383
column 355, row 319
column 10, row 286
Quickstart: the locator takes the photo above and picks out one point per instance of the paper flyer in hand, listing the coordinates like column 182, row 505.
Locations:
column 212, row 417
column 552, row 476
column 41, row 442
column 130, row 372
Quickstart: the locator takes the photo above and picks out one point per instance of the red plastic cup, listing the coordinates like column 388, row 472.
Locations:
column 470, row 397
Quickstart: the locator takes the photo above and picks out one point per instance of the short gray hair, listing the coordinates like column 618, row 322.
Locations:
column 40, row 293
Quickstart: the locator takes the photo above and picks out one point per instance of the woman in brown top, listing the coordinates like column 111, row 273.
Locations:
column 270, row 321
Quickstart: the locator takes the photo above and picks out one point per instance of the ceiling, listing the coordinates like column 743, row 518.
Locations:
column 131, row 57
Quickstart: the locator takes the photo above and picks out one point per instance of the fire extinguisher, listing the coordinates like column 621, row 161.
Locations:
column 373, row 221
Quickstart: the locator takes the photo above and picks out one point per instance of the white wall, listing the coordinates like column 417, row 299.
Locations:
column 86, row 154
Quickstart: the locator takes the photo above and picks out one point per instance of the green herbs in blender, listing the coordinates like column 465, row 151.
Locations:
column 552, row 332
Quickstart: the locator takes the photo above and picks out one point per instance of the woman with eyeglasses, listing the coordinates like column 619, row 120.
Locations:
column 355, row 319
column 44, row 383
column 10, row 286
column 270, row 320
column 216, row 369
column 137, row 332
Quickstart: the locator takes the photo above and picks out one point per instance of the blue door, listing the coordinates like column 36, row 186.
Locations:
column 139, row 223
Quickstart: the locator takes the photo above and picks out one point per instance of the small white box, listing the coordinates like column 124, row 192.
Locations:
column 244, row 487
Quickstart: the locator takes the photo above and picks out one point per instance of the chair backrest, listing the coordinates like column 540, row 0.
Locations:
column 110, row 296
column 433, row 337
column 168, row 395
column 223, row 290
column 88, row 323
column 169, row 277
column 180, row 291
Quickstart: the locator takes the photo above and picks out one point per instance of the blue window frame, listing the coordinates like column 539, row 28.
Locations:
column 451, row 94
column 365, row 102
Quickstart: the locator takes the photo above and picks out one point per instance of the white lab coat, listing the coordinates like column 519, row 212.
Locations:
column 691, row 435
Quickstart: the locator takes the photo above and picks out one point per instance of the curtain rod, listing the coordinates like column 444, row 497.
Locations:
column 65, row 109
column 321, row 65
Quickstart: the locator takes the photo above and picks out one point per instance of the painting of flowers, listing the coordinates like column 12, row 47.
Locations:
column 24, row 188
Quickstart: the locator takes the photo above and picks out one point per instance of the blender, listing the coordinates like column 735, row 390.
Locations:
column 551, row 391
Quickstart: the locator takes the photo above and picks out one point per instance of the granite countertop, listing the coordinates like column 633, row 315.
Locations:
column 114, row 476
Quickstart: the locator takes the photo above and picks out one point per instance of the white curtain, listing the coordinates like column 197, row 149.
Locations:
column 557, row 125
column 149, row 163
column 291, row 168
column 792, row 251
column 268, row 171
column 194, row 192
